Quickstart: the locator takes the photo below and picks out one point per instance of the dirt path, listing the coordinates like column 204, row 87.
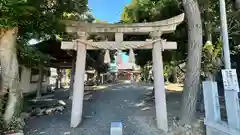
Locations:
column 123, row 103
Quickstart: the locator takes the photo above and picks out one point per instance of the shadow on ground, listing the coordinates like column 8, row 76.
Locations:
column 125, row 103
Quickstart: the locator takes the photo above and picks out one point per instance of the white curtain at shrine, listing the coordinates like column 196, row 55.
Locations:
column 107, row 58
column 131, row 56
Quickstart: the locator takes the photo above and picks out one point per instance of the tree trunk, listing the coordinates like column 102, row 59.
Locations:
column 9, row 72
column 208, row 21
column 174, row 74
column 208, row 32
column 40, row 80
column 192, row 80
column 58, row 78
column 204, row 6
column 56, row 83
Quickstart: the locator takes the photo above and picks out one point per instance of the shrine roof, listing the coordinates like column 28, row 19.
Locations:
column 52, row 47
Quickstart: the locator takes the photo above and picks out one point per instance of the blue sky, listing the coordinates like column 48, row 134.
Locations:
column 104, row 10
column 108, row 10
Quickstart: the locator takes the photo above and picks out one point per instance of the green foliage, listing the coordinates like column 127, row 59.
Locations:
column 150, row 10
column 211, row 15
column 38, row 19
column 211, row 58
column 156, row 10
column 143, row 57
column 10, row 10
column 145, row 72
column 166, row 71
column 22, row 12
column 95, row 60
column 16, row 125
column 31, row 57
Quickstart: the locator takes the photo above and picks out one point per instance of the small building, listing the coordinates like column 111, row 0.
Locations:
column 28, row 80
column 124, row 69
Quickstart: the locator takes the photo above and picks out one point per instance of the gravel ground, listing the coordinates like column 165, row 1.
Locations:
column 120, row 103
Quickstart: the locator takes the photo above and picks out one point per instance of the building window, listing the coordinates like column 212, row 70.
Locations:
column 35, row 75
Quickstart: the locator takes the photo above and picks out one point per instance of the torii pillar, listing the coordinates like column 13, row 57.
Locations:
column 160, row 94
column 78, row 87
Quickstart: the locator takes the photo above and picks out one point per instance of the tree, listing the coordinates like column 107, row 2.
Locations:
column 22, row 20
column 156, row 10
column 210, row 18
column 9, row 71
column 192, row 77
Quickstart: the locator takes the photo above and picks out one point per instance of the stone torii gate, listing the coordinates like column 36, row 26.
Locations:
column 155, row 29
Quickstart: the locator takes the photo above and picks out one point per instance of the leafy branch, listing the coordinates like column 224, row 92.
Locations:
column 31, row 57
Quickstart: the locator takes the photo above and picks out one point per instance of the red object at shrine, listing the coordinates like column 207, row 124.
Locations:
column 128, row 76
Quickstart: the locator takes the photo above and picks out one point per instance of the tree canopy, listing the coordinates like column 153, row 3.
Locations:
column 36, row 16
column 156, row 10
column 39, row 20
